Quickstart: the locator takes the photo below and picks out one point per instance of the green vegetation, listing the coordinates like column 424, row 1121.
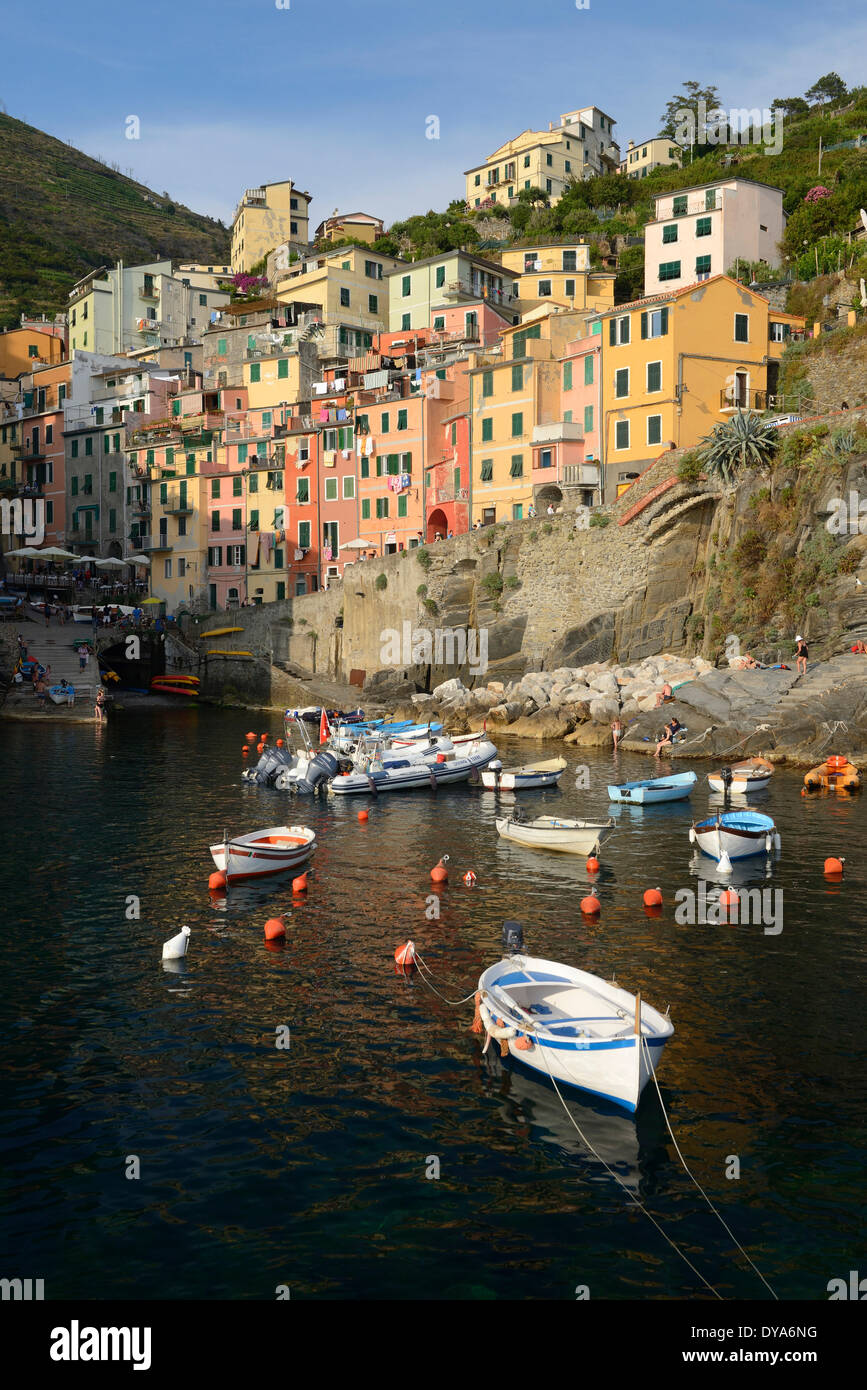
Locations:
column 421, row 591
column 493, row 583
column 430, row 606
column 600, row 519
column 64, row 214
column 381, row 582
column 743, row 442
column 690, row 467
column 424, row 557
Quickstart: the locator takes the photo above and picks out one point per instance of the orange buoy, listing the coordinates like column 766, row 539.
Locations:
column 834, row 867
column 251, row 738
column 405, row 955
column 476, row 1025
column 652, row 898
column 592, row 865
column 279, row 743
column 299, row 885
column 260, row 747
column 655, row 911
column 264, row 738
column 729, row 899
column 469, row 878
column 217, row 882
column 441, row 757
column 245, row 752
column 523, row 1044
column 439, row 873
column 363, row 817
column 274, row 927
column 590, row 905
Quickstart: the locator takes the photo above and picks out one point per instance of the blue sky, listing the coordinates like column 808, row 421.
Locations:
column 231, row 93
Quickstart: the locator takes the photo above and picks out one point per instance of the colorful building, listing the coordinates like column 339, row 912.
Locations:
column 350, row 224
column 559, row 274
column 421, row 292
column 704, row 230
column 265, row 217
column 350, row 288
column 129, row 307
column 22, row 349
column 643, row 156
column 582, row 146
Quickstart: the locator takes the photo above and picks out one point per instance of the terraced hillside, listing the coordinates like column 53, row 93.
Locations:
column 63, row 214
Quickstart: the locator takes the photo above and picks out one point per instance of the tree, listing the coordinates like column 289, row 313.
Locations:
column 791, row 107
column 831, row 87
column 629, row 284
column 534, row 196
column 697, row 102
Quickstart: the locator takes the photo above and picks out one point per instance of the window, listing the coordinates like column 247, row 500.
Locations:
column 405, row 321
column 679, row 205
column 215, row 488
column 237, row 486
column 402, row 419
column 215, row 524
column 654, row 323
column 365, row 509
column 702, row 267
column 517, row 511
column 570, row 260
column 253, row 482
column 546, row 458
column 112, row 482
column 304, row 535
column 487, row 472
column 567, row 376
column 487, row 383
column 669, row 233
column 283, row 368
column 742, row 328
column 588, row 371
column 567, row 416
column 654, row 376
column 548, row 186
column 477, row 180
column 365, row 468
column 487, row 429
column 588, row 418
column 405, row 286
column 255, row 372
column 779, row 332
column 440, row 276
column 549, row 160
column 618, row 331
column 569, row 289
column 203, row 300
column 75, row 487
column 621, row 382
column 88, row 446
column 383, row 423
column 517, row 468
column 221, row 347
column 517, row 424
column 621, row 434
column 710, row 199
column 654, row 429
column 235, row 555
column 237, row 523
column 167, row 568
column 373, row 303
column 344, row 298
column 526, row 161
column 401, row 504
column 331, row 489
column 703, row 226
column 49, row 434
column 348, row 487
column 439, row 324
column 302, row 493
column 381, row 507
column 669, row 270
column 242, row 455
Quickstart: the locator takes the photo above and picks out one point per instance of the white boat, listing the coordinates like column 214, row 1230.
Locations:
column 515, row 779
column 582, row 1031
column 262, row 852
column 751, row 775
column 554, row 832
column 374, row 774
column 737, row 834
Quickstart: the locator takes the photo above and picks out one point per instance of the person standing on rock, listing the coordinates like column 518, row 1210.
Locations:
column 617, row 731
column 802, row 653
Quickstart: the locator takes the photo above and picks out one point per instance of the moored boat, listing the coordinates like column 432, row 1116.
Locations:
column 836, row 774
column 736, row 834
column 373, row 773
column 572, row 1027
column 555, row 832
column 545, row 774
column 652, row 789
column 264, row 852
column 751, row 775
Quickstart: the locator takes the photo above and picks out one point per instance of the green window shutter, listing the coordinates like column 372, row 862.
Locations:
column 487, row 383
column 74, row 487
column 441, row 276
column 703, row 226
column 487, row 472
column 440, row 374
column 74, row 450
column 680, row 203
column 487, row 429
column 242, row 453
column 379, row 465
column 112, row 482
column 401, row 419
column 251, row 340
column 237, row 523
column 567, row 376
column 702, row 265
column 304, row 535
column 669, row 234
column 406, row 322
column 654, row 429
column 365, row 468
column 612, row 332
column 237, row 486
column 621, row 382
column 106, row 444
column 517, row 377
column 654, row 376
column 221, row 347
column 254, row 521
column 383, row 423
column 191, row 465
column 456, row 479
column 517, row 424
column 176, row 407
column 215, row 521
column 517, row 469
column 588, row 371
column 393, row 465
column 669, row 270
column 283, row 368
column 164, row 494
column 170, row 458
column 88, row 445
column 112, row 519
column 365, row 509
column 215, row 487
column 266, row 419
column 281, row 589
column 621, row 434
column 644, row 325
column 664, row 322
column 253, row 482
column 742, row 328
column 454, row 432
column 588, row 418
column 255, row 372
column 149, row 456
column 401, row 505
column 405, row 286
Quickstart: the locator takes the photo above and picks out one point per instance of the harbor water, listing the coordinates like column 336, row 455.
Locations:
column 307, row 1118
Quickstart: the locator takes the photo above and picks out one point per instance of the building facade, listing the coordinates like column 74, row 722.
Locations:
column 130, row 307
column 581, row 147
column 703, row 231
column 267, row 216
column 643, row 156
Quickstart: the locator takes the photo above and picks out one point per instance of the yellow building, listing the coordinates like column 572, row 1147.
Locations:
column 21, row 349
column 559, row 274
column 582, row 146
column 351, row 287
column 265, row 217
column 674, row 365
column 350, row 224
column 512, row 397
column 644, row 155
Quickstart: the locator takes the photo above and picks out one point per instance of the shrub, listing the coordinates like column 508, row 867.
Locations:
column 849, row 562
column 421, row 591
column 493, row 583
column 547, row 529
column 600, row 519
column 745, row 441
column 690, row 468
column 429, row 605
column 381, row 582
column 513, row 582
column 424, row 557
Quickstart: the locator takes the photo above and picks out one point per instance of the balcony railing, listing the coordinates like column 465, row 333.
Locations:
column 693, row 205
column 146, row 543
column 737, row 398
column 149, row 290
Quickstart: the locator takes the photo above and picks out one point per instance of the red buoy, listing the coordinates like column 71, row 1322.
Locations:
column 439, row 873
column 834, row 867
column 260, row 748
column 274, row 927
column 469, row 878
column 441, row 757
column 590, row 905
column 251, row 737
column 592, row 865
column 245, row 751
column 729, row 899
column 299, row 885
column 279, row 743
column 404, row 958
column 217, row 882
column 264, row 738
column 653, row 898
column 364, row 817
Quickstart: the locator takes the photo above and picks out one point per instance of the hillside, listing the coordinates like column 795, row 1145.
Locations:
column 63, row 214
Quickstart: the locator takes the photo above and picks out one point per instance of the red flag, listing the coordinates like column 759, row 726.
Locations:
column 323, row 728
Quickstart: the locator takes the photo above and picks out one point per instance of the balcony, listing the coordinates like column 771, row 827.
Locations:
column 140, row 508
column 557, row 432
column 149, row 290
column 581, row 474
column 29, row 489
column 178, row 507
column 693, row 205
column 151, row 543
column 734, row 398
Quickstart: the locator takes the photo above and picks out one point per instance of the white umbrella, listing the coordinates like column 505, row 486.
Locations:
column 110, row 564
column 359, row 544
column 54, row 552
column 136, row 559
column 25, row 553
column 86, row 559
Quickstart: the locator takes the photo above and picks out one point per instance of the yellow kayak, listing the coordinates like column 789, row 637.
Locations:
column 219, row 651
column 220, row 631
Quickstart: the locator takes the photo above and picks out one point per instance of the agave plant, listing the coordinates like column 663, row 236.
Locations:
column 843, row 442
column 744, row 441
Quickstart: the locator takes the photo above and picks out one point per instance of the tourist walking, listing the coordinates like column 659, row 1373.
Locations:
column 48, row 615
column 802, row 653
column 83, row 656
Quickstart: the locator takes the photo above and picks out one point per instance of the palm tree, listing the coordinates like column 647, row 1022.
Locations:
column 744, row 441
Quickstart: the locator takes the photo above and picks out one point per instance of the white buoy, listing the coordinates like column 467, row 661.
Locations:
column 177, row 947
column 692, row 835
column 725, row 864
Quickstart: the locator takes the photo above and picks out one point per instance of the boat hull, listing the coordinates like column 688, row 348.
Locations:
column 584, row 840
column 645, row 793
column 737, row 841
column 253, row 856
column 412, row 776
column 739, row 786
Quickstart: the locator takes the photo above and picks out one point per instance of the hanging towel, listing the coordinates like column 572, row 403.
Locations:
column 368, row 448
column 266, row 540
column 342, row 414
column 328, row 555
column 299, row 554
column 323, row 413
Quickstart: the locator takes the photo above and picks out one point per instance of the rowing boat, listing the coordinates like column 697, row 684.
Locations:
column 737, row 834
column 264, row 852
column 652, row 789
column 553, row 832
column 530, row 775
column 751, row 775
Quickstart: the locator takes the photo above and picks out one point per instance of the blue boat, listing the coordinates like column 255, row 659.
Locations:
column 674, row 788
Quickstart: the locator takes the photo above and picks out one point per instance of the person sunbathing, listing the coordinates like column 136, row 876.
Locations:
column 671, row 728
column 664, row 694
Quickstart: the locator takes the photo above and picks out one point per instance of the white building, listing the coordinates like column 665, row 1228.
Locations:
column 118, row 310
column 702, row 231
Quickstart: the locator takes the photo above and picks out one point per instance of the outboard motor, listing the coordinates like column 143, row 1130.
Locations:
column 726, row 777
column 513, row 938
column 320, row 769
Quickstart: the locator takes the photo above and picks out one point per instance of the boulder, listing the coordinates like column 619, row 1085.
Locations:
column 544, row 724
column 604, row 709
column 591, row 736
column 448, row 688
column 505, row 713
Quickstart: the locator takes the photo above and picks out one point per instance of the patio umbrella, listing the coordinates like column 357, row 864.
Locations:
column 26, row 552
column 136, row 560
column 86, row 559
column 359, row 544
column 54, row 552
column 153, row 600
column 110, row 564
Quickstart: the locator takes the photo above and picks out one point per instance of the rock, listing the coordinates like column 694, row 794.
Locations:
column 505, row 713
column 591, row 736
column 544, row 724
column 496, row 687
column 604, row 709
column 421, row 699
column 629, row 709
column 447, row 689
column 605, row 683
